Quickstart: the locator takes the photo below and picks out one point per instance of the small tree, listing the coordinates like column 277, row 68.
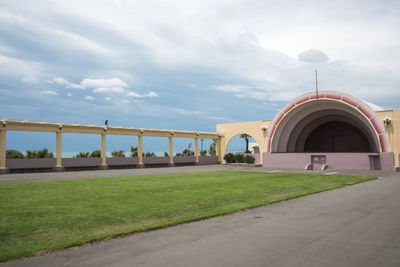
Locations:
column 82, row 155
column 203, row 152
column 166, row 154
column 14, row 154
column 212, row 150
column 134, row 151
column 118, row 154
column 246, row 138
column 95, row 154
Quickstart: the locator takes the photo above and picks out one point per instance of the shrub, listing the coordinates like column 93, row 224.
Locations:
column 35, row 154
column 95, row 154
column 14, row 154
column 166, row 154
column 118, row 154
column 134, row 151
column 249, row 159
column 239, row 158
column 230, row 158
column 149, row 154
column 82, row 155
column 203, row 152
column 178, row 154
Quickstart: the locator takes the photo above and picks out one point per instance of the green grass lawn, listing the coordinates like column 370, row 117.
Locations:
column 47, row 215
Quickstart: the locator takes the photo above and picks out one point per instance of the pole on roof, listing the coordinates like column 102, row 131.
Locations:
column 316, row 83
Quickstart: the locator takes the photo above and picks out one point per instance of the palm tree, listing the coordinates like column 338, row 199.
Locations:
column 134, row 151
column 246, row 138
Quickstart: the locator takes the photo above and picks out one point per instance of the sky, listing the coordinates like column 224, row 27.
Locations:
column 187, row 65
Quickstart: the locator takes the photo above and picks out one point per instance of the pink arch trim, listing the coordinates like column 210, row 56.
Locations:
column 337, row 96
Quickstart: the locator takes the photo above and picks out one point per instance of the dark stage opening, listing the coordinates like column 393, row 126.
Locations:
column 336, row 136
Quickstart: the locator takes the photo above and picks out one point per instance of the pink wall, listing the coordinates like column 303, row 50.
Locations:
column 334, row 160
column 286, row 160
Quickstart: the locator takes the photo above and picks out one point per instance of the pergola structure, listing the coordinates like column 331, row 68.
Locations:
column 60, row 128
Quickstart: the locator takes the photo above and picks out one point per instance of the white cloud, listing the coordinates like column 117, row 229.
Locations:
column 69, row 94
column 313, row 55
column 125, row 101
column 22, row 70
column 244, row 91
column 108, row 98
column 62, row 81
column 133, row 94
column 90, row 98
column 233, row 88
column 151, row 94
column 217, row 118
column 30, row 80
column 59, row 80
column 109, row 90
column 75, row 86
column 136, row 95
column 103, row 83
column 48, row 92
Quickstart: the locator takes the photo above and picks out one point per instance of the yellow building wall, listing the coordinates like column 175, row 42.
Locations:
column 253, row 128
column 393, row 130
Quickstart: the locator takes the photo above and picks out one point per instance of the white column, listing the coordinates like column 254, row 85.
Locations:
column 196, row 149
column 103, row 150
column 3, row 146
column 171, row 151
column 58, row 149
column 140, row 149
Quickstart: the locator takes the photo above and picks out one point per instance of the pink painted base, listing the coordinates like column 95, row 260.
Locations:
column 359, row 161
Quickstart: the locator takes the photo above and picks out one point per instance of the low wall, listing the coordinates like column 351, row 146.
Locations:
column 30, row 163
column 334, row 160
column 185, row 159
column 76, row 163
column 79, row 162
column 207, row 160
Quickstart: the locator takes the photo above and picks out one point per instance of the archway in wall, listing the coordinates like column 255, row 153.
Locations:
column 335, row 122
column 237, row 144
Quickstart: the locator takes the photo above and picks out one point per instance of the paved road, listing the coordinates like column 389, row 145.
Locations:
column 352, row 226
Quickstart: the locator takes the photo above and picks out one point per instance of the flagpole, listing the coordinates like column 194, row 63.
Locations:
column 316, row 83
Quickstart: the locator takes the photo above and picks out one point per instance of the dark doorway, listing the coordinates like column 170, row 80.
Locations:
column 337, row 136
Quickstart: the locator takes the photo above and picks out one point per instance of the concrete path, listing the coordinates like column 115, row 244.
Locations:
column 23, row 177
column 352, row 226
